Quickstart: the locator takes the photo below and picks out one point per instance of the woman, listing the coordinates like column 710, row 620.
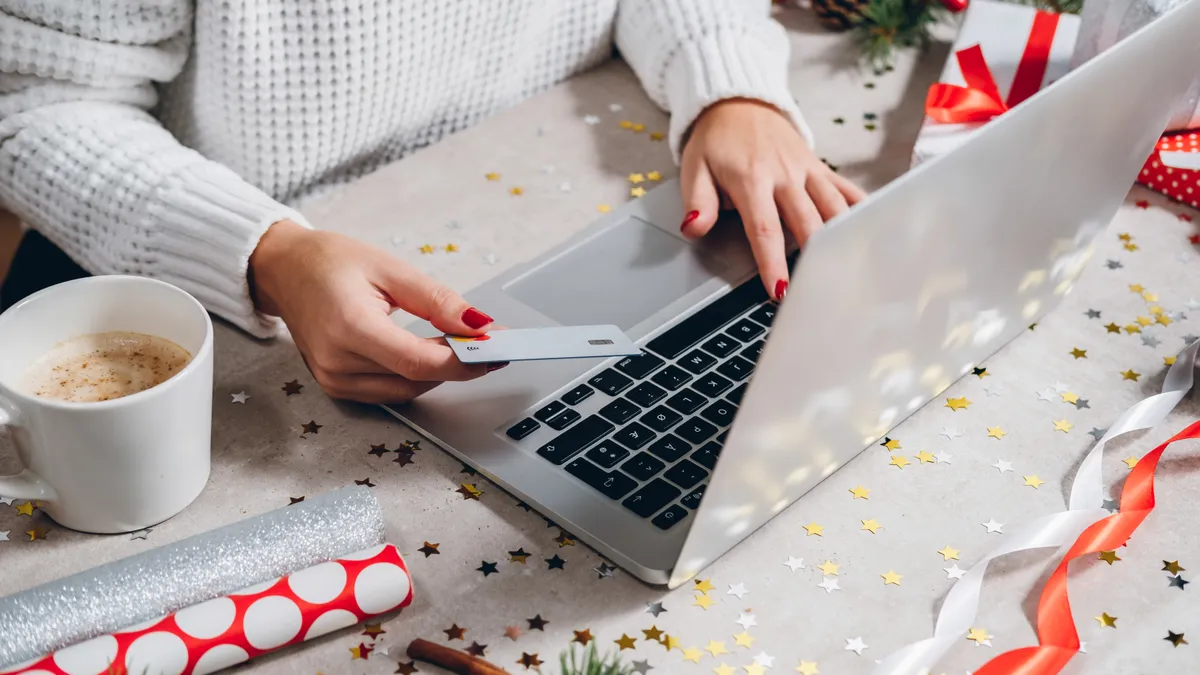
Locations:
column 166, row 138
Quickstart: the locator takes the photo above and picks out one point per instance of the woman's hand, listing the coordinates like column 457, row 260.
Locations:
column 748, row 155
column 335, row 294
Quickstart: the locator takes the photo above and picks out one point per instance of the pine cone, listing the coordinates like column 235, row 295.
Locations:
column 838, row 14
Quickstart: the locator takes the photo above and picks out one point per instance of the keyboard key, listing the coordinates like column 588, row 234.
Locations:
column 736, row 368
column 607, row 454
column 720, row 413
column 722, row 437
column 684, row 335
column 578, row 395
column 687, row 401
column 707, row 455
column 643, row 466
column 692, row 499
column 685, row 474
column 695, row 430
column 669, row 448
column 745, row 330
column 646, row 394
column 610, row 382
column 735, row 396
column 711, row 385
column 661, row 418
column 666, row 519
column 697, row 361
column 564, row 419
column 753, row 351
column 613, row 485
column 721, row 346
column 634, row 436
column 619, row 411
column 765, row 314
column 671, row 378
column 640, row 366
column 522, row 429
column 590, row 430
column 552, row 409
column 652, row 497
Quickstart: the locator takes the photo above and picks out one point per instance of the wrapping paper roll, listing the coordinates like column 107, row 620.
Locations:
column 228, row 630
column 209, row 565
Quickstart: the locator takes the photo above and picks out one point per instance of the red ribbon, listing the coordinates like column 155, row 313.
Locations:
column 1057, row 637
column 980, row 100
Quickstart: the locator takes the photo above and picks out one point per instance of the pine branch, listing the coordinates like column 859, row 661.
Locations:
column 591, row 663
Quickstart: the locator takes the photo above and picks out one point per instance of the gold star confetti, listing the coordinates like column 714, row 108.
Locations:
column 996, row 433
column 638, row 191
column 1106, row 620
column 1135, row 288
column 891, row 578
column 653, row 633
column 37, row 533
column 1079, row 353
column 636, row 178
column 743, row 639
column 1113, row 328
column 1131, row 375
column 373, row 630
column 517, row 556
column 716, row 648
column 703, row 601
column 516, row 191
column 891, row 444
column 899, row 461
column 625, row 124
column 724, row 669
column 657, row 136
column 1173, row 567
column 1144, row 321
column 624, row 642
column 1033, row 481
column 1063, row 426
column 1131, row 246
column 360, row 652
column 1130, row 461
column 703, row 586
column 860, row 492
column 978, row 635
column 871, row 525
column 426, row 249
column 469, row 491
column 1156, row 310
column 925, row 456
column 638, row 128
column 1125, row 236
column 828, row 568
column 1168, row 360
column 564, row 539
column 1163, row 319
column 980, row 372
column 1150, row 297
column 451, row 248
column 1109, row 557
column 814, row 530
column 603, row 208
column 25, row 509
column 669, row 642
column 949, row 553
column 492, row 176
column 1175, row 639
column 1069, row 397
column 807, row 668
column 653, row 175
column 692, row 654
column 754, row 669
column 583, row 636
column 959, row 403
column 1132, row 328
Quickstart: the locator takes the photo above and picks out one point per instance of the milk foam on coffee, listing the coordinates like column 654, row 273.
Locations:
column 104, row 366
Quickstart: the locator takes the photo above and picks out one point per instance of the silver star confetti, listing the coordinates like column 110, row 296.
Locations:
column 942, row 457
column 141, row 534
column 7, row 501
column 1061, row 387
column 950, row 432
column 954, row 572
column 993, row 527
column 1113, row 264
column 641, row 667
column 993, row 390
column 1082, row 403
column 737, row 589
column 240, row 397
column 1110, row 505
column 1092, row 314
column 855, row 645
column 1098, row 433
column 830, row 584
column 794, row 563
column 604, row 570
column 765, row 660
column 4, row 535
column 1150, row 340
column 1047, row 394
column 1003, row 466
column 746, row 621
column 655, row 608
column 615, row 107
column 591, row 119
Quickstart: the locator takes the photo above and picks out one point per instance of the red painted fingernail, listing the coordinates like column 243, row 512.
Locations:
column 496, row 366
column 475, row 318
column 692, row 215
column 780, row 289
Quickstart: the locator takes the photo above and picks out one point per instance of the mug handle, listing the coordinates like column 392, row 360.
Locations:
column 27, row 484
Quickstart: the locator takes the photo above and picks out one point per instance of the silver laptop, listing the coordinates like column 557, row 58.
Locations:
column 737, row 407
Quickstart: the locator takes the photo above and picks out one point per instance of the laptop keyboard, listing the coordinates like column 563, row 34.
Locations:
column 654, row 444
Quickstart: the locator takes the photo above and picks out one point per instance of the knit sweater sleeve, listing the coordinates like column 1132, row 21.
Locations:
column 690, row 54
column 83, row 161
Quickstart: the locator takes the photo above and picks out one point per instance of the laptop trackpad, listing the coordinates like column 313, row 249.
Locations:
column 622, row 277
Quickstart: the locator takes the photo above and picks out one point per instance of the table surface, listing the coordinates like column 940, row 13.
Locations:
column 567, row 169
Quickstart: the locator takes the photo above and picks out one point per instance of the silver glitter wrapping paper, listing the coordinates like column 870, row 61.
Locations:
column 155, row 583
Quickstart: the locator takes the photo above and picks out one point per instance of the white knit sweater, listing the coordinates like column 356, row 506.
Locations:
column 162, row 137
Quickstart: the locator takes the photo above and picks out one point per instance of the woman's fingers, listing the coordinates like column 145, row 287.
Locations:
column 799, row 214
column 418, row 359
column 756, row 204
column 370, row 388
column 851, row 191
column 826, row 197
column 701, row 204
column 421, row 296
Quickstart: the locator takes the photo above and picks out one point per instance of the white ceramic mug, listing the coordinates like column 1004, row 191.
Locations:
column 126, row 463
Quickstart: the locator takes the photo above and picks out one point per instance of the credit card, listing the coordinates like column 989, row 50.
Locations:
column 543, row 344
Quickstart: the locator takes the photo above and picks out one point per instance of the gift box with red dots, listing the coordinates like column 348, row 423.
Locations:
column 225, row 631
column 1174, row 167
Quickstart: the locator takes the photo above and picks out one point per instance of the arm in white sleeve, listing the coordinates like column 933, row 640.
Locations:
column 84, row 163
column 690, row 54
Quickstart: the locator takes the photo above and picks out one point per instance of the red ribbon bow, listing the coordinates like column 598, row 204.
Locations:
column 980, row 100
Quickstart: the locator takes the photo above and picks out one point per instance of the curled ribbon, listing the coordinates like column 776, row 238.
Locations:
column 1053, row 531
column 980, row 100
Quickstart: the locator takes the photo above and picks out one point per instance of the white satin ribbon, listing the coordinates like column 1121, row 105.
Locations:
column 1055, row 530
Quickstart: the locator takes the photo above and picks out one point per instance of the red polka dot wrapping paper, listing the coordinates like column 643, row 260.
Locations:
column 225, row 631
column 1182, row 185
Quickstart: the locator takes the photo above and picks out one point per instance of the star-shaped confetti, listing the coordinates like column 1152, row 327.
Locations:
column 794, row 563
column 692, row 654
column 738, row 590
column 979, row 636
column 373, row 630
column 516, row 191
column 454, row 632
column 641, row 667
column 1003, row 466
column 807, row 668
column 406, row 668
column 583, row 637
column 365, row 482
column 25, row 509
column 294, row 500
column 1033, row 481
column 638, row 191
column 703, row 601
column 537, row 623
column 1113, row 264
column 518, row 556
column 311, row 428
column 980, row 372
column 1092, row 314
column 950, row 433
column 529, row 660
column 378, row 450
column 636, row 178
column 1131, row 375
column 1109, row 557
column 1173, row 567
column 828, row 568
column 293, row 387
column 943, row 457
column 899, row 461
column 451, row 248
column 653, row 175
column 240, row 397
column 141, row 534
column 746, row 621
column 860, row 492
column 855, row 645
column 954, row 572
column 891, row 578
column 996, row 433
column 655, row 608
column 404, row 457
column 604, row 570
column 1081, row 404
column 1178, row 581
column 830, row 584
column 925, row 456
column 1130, row 461
column 1106, row 620
column 703, row 586
column 744, row 639
column 871, row 525
column 994, row 527
column 956, row 404
column 724, row 669
column 426, row 249
column 949, row 553
column 469, row 491
column 4, row 535
column 1175, row 639
column 814, row 530
column 488, row 568
column 657, row 136
column 716, row 648
column 1069, row 397
column 563, row 539
column 1079, row 353
column 477, row 649
column 891, row 444
column 360, row 652
column 1150, row 341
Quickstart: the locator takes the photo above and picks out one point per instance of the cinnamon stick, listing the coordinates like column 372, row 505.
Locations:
column 452, row 660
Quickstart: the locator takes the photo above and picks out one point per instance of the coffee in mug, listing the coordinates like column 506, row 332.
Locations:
column 103, row 366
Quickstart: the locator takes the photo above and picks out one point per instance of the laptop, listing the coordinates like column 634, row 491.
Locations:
column 737, row 406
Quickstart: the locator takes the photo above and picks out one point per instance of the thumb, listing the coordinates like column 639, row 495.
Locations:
column 425, row 298
column 701, row 204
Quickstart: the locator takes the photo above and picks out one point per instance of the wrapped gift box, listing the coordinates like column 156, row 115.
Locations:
column 1004, row 53
column 1174, row 168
